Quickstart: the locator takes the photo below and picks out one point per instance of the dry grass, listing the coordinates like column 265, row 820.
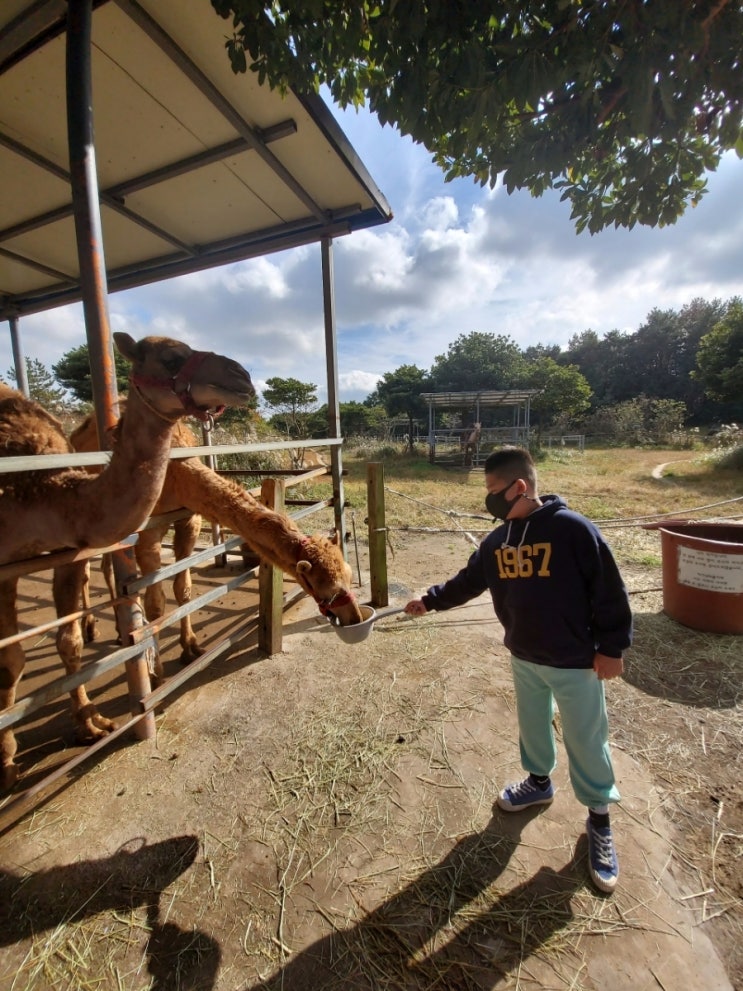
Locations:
column 603, row 484
column 335, row 791
column 405, row 899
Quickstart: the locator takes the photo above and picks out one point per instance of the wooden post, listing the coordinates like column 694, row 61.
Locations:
column 271, row 579
column 377, row 534
column 334, row 416
column 129, row 618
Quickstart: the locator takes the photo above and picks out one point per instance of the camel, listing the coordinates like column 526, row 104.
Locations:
column 315, row 562
column 306, row 457
column 147, row 550
column 52, row 509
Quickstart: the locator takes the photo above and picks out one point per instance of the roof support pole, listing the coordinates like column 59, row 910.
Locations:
column 19, row 363
column 334, row 414
column 85, row 201
column 86, row 206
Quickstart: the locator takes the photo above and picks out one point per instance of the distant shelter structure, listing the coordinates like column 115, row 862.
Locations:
column 503, row 418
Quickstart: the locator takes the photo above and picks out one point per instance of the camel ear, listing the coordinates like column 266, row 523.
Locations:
column 303, row 566
column 126, row 344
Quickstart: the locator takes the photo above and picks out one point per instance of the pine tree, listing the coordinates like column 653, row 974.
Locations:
column 42, row 387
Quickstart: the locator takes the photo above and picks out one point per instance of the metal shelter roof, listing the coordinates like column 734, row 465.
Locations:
column 196, row 166
column 484, row 399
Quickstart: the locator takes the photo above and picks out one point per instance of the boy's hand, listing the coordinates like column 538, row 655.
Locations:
column 607, row 667
column 415, row 608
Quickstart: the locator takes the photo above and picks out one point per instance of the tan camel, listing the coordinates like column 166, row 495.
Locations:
column 68, row 507
column 148, row 548
column 315, row 562
column 306, row 457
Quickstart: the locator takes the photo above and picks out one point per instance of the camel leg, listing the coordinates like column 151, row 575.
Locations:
column 12, row 661
column 90, row 632
column 107, row 571
column 148, row 552
column 67, row 588
column 185, row 534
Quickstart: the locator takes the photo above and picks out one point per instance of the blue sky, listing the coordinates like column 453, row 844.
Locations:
column 455, row 259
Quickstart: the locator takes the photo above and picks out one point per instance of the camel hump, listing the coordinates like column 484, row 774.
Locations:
column 27, row 428
column 183, row 436
column 85, row 435
column 7, row 391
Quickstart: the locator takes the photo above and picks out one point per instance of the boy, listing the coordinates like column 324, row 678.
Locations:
column 558, row 593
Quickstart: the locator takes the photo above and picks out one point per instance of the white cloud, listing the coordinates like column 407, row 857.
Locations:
column 440, row 213
column 258, row 275
column 357, row 382
column 457, row 258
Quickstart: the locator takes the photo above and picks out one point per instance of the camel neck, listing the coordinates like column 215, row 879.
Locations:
column 171, row 421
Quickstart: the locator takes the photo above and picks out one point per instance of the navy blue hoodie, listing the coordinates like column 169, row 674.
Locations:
column 555, row 587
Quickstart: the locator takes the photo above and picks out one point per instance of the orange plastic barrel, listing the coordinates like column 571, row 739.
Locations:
column 703, row 574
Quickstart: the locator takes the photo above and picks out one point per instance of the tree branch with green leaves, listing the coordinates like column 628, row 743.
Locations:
column 621, row 106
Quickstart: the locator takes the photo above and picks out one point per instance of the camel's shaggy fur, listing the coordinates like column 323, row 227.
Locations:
column 52, row 509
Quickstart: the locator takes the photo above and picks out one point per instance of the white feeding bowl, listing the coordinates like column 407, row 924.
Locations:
column 360, row 631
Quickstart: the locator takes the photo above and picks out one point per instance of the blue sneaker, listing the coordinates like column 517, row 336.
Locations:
column 523, row 794
column 602, row 859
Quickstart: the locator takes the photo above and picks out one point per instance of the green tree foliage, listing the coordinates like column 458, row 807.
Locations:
column 720, row 357
column 400, row 394
column 42, row 386
column 603, row 362
column 697, row 319
column 564, row 392
column 621, row 106
column 661, row 354
column 73, row 372
column 357, row 420
column 638, row 421
column 292, row 402
column 657, row 361
column 478, row 361
column 241, row 420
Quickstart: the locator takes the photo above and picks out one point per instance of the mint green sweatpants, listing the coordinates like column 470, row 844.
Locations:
column 579, row 696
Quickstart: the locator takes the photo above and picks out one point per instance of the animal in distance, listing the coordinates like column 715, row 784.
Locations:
column 470, row 440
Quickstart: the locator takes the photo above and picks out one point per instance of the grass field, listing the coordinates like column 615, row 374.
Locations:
column 614, row 485
column 337, row 795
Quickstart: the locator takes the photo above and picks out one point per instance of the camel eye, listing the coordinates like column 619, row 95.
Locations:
column 173, row 362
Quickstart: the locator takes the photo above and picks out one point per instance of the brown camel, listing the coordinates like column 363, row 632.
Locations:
column 46, row 510
column 315, row 562
column 147, row 550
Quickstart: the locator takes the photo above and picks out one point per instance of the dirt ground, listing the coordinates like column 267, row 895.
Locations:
column 324, row 819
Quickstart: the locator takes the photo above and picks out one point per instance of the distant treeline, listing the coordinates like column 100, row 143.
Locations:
column 657, row 361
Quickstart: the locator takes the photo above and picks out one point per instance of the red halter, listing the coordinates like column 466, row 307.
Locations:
column 180, row 385
column 339, row 599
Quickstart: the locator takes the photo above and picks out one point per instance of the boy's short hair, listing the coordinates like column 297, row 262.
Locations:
column 516, row 461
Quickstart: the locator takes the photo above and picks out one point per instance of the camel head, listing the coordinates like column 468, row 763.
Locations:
column 324, row 574
column 176, row 381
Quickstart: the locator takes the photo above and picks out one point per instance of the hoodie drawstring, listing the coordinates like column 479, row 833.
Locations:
column 508, row 535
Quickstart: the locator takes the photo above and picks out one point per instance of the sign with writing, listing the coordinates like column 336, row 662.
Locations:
column 709, row 571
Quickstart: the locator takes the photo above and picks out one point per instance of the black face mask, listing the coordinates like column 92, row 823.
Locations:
column 497, row 505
